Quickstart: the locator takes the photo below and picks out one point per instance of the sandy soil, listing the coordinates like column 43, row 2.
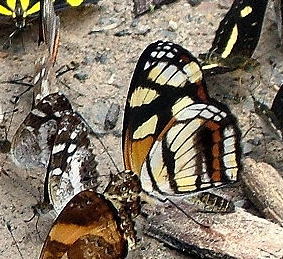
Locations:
column 106, row 59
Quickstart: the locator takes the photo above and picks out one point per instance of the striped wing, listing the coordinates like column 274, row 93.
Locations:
column 199, row 151
column 175, row 136
column 72, row 165
column 164, row 73
column 237, row 36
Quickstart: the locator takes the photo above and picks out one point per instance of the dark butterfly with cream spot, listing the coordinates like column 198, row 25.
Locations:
column 175, row 137
column 236, row 38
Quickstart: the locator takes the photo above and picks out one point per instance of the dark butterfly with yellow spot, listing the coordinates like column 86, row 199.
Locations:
column 236, row 38
column 175, row 137
column 23, row 11
column 272, row 117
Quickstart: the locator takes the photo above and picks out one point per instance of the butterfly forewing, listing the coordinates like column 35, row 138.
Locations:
column 165, row 72
column 32, row 143
column 176, row 137
column 72, row 165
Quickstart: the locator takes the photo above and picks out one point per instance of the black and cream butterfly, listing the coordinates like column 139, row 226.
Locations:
column 236, row 37
column 272, row 117
column 22, row 11
column 175, row 137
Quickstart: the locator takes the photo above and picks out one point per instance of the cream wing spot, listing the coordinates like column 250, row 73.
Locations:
column 230, row 160
column 180, row 104
column 142, row 96
column 231, row 42
column 178, row 80
column 246, row 11
column 71, row 148
column 147, row 128
column 166, row 75
column 177, row 136
column 38, row 113
column 155, row 72
column 229, row 145
column 58, row 148
column 232, row 173
column 193, row 72
column 56, row 171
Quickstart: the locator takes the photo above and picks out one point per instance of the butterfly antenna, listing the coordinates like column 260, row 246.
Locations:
column 105, row 149
column 185, row 213
column 96, row 135
column 13, row 237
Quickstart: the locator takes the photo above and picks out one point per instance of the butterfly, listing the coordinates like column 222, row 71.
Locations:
column 22, row 11
column 272, row 117
column 101, row 224
column 236, row 38
column 175, row 137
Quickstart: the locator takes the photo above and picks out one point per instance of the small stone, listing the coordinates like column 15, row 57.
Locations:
column 81, row 76
column 173, row 26
column 112, row 116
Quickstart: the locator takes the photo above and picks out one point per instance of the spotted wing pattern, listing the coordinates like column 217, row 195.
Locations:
column 175, row 137
column 72, row 165
column 236, row 37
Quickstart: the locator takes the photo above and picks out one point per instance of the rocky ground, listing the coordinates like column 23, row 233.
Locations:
column 104, row 42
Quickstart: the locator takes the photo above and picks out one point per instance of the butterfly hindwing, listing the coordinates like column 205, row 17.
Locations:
column 199, row 151
column 72, row 165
